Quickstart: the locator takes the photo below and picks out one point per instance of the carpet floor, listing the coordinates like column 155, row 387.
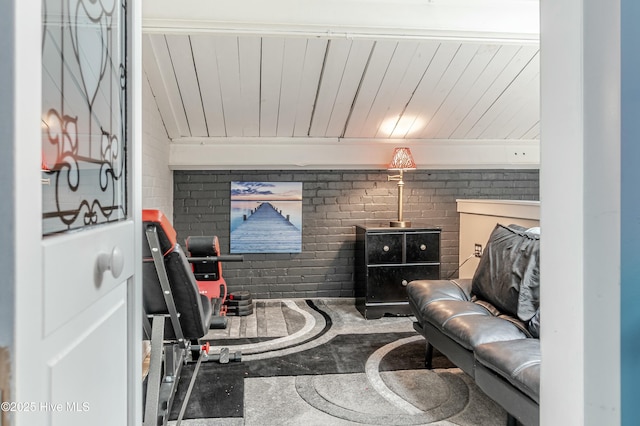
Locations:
column 319, row 362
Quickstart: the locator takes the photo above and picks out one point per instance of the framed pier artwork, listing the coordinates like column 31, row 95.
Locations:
column 266, row 217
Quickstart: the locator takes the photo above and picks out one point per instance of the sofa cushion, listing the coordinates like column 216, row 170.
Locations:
column 473, row 330
column 518, row 361
column 508, row 274
column 440, row 312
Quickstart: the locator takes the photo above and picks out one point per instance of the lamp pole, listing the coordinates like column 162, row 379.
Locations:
column 399, row 223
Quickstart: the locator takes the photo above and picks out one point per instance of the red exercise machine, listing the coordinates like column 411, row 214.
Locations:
column 203, row 253
column 206, row 261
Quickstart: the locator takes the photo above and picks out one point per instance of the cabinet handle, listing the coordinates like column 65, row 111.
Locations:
column 423, row 247
column 404, row 283
column 385, row 248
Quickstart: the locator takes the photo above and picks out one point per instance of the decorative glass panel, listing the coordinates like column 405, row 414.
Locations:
column 83, row 113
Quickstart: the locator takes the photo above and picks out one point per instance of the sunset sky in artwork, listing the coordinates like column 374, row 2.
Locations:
column 266, row 191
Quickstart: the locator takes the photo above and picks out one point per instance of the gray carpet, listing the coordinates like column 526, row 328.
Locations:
column 330, row 366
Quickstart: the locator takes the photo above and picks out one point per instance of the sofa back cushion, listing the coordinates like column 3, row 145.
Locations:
column 508, row 274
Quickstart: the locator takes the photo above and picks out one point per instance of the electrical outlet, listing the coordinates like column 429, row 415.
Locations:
column 477, row 250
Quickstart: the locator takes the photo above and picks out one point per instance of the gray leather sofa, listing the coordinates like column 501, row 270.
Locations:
column 489, row 325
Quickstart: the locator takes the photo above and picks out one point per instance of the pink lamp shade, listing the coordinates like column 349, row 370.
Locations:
column 402, row 160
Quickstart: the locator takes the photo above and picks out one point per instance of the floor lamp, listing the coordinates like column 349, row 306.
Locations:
column 401, row 161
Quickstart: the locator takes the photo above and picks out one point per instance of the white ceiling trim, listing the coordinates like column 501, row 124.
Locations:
column 523, row 209
column 336, row 153
column 266, row 30
column 489, row 20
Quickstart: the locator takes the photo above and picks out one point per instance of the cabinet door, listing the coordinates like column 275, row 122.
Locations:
column 388, row 284
column 423, row 247
column 384, row 248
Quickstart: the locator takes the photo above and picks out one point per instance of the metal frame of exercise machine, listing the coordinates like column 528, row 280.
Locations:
column 169, row 355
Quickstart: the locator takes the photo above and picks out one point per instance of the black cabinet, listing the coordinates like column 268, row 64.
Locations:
column 387, row 259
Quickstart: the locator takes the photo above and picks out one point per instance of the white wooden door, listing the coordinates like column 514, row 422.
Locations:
column 86, row 301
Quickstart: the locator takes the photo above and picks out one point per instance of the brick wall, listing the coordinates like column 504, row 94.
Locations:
column 333, row 202
column 157, row 178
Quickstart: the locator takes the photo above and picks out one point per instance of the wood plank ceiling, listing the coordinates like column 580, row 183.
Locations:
column 217, row 85
column 336, row 83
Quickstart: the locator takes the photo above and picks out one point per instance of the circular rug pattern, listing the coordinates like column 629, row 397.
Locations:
column 406, row 397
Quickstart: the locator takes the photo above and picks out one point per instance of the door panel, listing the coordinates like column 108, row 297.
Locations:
column 76, row 255
column 87, row 365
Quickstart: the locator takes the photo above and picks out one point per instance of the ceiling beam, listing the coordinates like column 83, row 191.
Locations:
column 489, row 20
column 335, row 153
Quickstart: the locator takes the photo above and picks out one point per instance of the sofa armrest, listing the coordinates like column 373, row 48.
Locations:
column 422, row 293
column 427, row 291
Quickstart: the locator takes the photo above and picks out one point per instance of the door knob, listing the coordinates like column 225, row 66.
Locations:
column 113, row 262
